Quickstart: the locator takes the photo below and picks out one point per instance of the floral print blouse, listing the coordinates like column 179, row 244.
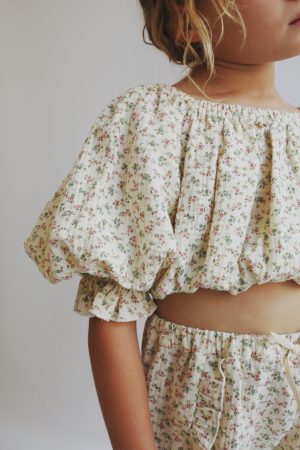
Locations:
column 170, row 193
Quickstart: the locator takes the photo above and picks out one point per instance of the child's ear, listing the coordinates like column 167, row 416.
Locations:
column 194, row 37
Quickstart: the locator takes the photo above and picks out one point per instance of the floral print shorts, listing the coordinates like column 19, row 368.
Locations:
column 218, row 390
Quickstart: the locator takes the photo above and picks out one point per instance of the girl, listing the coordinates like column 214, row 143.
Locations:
column 183, row 208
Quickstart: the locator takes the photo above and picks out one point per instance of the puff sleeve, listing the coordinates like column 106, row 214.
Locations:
column 108, row 220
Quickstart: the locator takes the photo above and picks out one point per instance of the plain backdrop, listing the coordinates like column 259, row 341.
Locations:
column 61, row 62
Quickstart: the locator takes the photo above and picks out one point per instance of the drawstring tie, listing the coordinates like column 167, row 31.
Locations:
column 280, row 339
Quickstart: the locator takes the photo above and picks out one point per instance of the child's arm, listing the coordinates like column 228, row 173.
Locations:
column 120, row 384
column 108, row 221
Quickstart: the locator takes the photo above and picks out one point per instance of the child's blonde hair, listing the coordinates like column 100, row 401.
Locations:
column 164, row 17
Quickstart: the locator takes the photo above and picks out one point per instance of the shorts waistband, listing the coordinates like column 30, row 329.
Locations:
column 220, row 342
column 168, row 328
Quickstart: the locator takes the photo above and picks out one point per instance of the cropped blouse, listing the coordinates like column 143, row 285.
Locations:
column 168, row 194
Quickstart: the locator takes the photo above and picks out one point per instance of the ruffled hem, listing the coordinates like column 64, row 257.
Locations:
column 108, row 300
column 296, row 279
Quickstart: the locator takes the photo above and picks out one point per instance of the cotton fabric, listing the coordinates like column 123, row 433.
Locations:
column 217, row 390
column 168, row 194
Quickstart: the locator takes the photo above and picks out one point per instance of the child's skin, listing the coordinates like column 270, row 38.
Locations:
column 246, row 75
column 120, row 383
column 243, row 76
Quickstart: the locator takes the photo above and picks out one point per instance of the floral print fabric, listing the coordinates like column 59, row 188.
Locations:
column 169, row 194
column 217, row 390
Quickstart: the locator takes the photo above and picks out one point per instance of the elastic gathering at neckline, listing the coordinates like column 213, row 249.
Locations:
column 222, row 108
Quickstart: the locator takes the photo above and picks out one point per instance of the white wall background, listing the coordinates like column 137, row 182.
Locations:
column 61, row 62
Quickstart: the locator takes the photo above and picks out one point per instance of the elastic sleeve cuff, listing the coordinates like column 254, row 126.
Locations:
column 108, row 300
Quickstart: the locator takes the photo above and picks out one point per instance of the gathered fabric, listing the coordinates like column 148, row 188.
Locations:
column 218, row 390
column 169, row 194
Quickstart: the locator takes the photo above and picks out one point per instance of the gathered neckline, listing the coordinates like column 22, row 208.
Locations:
column 224, row 105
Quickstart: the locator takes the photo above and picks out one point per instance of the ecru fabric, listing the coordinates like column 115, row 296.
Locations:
column 170, row 193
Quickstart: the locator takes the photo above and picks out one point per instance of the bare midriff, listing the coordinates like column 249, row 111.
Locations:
column 273, row 306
